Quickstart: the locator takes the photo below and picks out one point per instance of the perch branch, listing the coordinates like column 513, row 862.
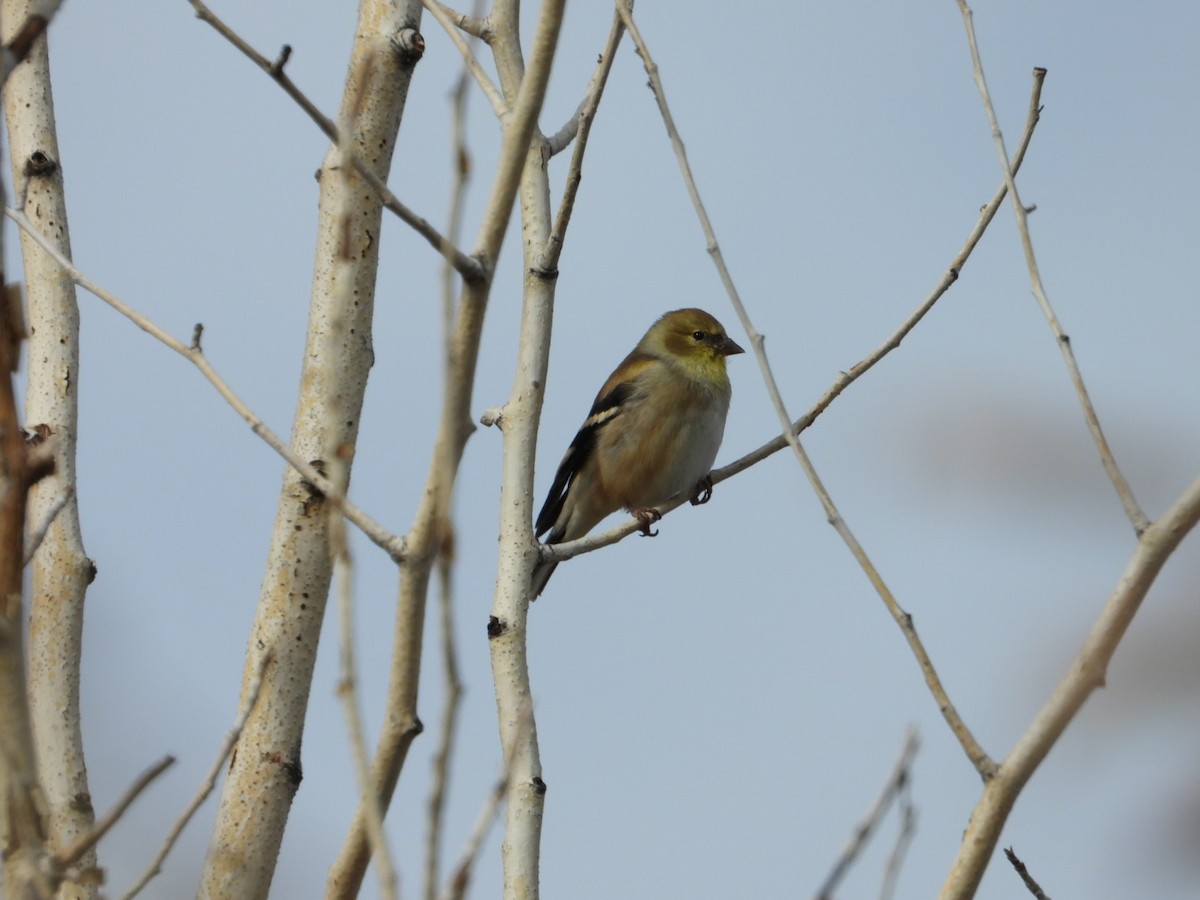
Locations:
column 597, row 540
column 982, row 762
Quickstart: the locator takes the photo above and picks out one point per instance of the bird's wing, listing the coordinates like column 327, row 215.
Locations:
column 616, row 392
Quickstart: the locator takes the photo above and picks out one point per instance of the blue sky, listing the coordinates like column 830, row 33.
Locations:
column 717, row 707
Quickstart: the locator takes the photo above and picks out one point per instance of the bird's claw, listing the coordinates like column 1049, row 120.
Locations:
column 646, row 517
column 703, row 492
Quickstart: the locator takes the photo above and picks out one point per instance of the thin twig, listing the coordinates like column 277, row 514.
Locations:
column 402, row 724
column 904, row 838
column 348, row 694
column 1034, row 887
column 445, row 19
column 547, row 261
column 460, row 876
column 34, row 540
column 1132, row 510
column 596, row 540
column 848, row 377
column 453, row 688
column 210, row 780
column 391, row 543
column 1086, row 673
column 339, row 545
column 475, row 24
column 559, row 141
column 979, row 758
column 897, row 780
column 469, row 267
column 452, row 684
column 85, row 842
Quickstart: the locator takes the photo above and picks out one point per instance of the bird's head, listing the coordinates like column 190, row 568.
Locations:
column 692, row 338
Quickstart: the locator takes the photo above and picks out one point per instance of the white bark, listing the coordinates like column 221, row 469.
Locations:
column 61, row 570
column 521, row 849
column 402, row 724
column 1086, row 674
column 266, row 769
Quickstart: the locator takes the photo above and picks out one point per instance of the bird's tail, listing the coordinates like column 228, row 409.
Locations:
column 541, row 574
column 545, row 567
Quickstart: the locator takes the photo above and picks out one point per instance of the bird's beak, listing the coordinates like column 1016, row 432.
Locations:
column 729, row 347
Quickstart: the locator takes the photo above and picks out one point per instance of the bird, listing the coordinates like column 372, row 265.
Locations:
column 652, row 434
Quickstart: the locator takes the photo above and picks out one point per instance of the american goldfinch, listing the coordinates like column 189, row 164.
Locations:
column 652, row 434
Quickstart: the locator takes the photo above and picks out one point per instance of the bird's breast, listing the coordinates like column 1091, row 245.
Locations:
column 654, row 458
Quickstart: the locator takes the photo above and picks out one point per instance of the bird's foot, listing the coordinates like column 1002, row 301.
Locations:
column 646, row 516
column 703, row 491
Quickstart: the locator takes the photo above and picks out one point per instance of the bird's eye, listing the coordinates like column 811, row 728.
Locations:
column 699, row 335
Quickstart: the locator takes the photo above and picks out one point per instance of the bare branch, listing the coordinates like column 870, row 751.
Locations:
column 348, row 694
column 475, row 24
column 453, row 690
column 1132, row 510
column 904, row 838
column 460, row 876
column 848, row 377
column 982, row 762
column 470, row 268
column 23, row 813
column 896, row 782
column 85, row 842
column 452, row 684
column 445, row 19
column 347, row 690
column 18, row 47
column 299, row 567
column 547, row 260
column 508, row 645
column 210, row 780
column 392, row 544
column 603, row 539
column 561, row 139
column 60, row 571
column 1085, row 674
column 38, row 533
column 1034, row 887
column 455, row 427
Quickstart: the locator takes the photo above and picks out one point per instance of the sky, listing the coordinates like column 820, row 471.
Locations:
column 717, row 708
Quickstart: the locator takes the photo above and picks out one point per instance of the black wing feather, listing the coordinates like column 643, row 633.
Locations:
column 578, row 453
